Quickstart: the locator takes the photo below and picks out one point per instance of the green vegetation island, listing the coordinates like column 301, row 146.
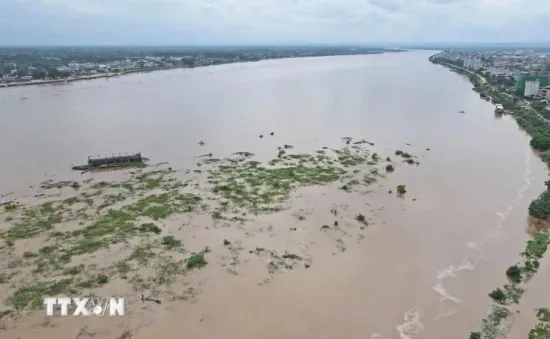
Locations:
column 38, row 65
column 531, row 119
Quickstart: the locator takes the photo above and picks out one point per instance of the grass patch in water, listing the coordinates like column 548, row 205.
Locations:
column 142, row 254
column 34, row 221
column 33, row 295
column 196, row 260
column 149, row 228
column 250, row 185
column 166, row 271
column 150, row 180
column 118, row 225
column 74, row 270
column 111, row 199
column 10, row 207
column 255, row 186
column 169, row 242
column 94, row 281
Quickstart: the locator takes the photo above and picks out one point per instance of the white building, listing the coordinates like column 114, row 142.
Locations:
column 472, row 63
column 477, row 64
column 531, row 88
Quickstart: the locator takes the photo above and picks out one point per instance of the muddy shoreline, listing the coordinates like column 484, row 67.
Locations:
column 500, row 318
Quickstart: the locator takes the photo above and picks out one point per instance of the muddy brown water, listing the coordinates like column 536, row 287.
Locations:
column 424, row 266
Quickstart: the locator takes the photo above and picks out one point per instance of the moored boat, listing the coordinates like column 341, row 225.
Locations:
column 114, row 161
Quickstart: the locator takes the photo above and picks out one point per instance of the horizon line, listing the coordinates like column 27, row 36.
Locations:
column 297, row 44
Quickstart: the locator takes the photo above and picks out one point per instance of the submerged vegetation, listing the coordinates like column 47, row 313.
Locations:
column 127, row 216
column 250, row 186
column 401, row 190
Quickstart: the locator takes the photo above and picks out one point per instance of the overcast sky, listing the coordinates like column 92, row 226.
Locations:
column 189, row 22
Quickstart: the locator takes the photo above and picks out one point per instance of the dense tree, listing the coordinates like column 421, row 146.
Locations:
column 541, row 142
column 540, row 207
column 38, row 74
column 53, row 73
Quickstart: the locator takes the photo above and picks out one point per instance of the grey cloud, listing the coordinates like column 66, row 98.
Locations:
column 445, row 1
column 388, row 5
column 235, row 21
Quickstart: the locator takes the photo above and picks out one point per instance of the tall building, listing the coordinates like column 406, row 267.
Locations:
column 468, row 63
column 523, row 77
column 531, row 88
column 477, row 64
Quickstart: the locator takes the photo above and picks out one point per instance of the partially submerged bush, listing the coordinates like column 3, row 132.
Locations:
column 10, row 206
column 401, row 189
column 361, row 218
column 498, row 295
column 475, row 335
column 171, row 242
column 149, row 228
column 514, row 274
column 196, row 260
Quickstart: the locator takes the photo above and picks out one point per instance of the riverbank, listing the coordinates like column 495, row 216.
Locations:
column 126, row 72
column 498, row 320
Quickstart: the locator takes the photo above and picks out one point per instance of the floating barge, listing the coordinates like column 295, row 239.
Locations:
column 499, row 108
column 114, row 161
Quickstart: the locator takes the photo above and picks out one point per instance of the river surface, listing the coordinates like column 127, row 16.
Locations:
column 423, row 272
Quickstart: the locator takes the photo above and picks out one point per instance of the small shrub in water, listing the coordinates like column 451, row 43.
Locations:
column 514, row 274
column 10, row 207
column 102, row 279
column 401, row 189
column 149, row 228
column 390, row 168
column 361, row 218
column 171, row 242
column 475, row 335
column 196, row 260
column 498, row 295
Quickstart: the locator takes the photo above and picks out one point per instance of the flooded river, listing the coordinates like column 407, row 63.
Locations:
column 422, row 269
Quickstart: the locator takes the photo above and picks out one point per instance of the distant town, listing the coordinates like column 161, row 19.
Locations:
column 521, row 76
column 27, row 66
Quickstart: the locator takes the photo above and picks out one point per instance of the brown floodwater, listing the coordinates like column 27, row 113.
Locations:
column 423, row 270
